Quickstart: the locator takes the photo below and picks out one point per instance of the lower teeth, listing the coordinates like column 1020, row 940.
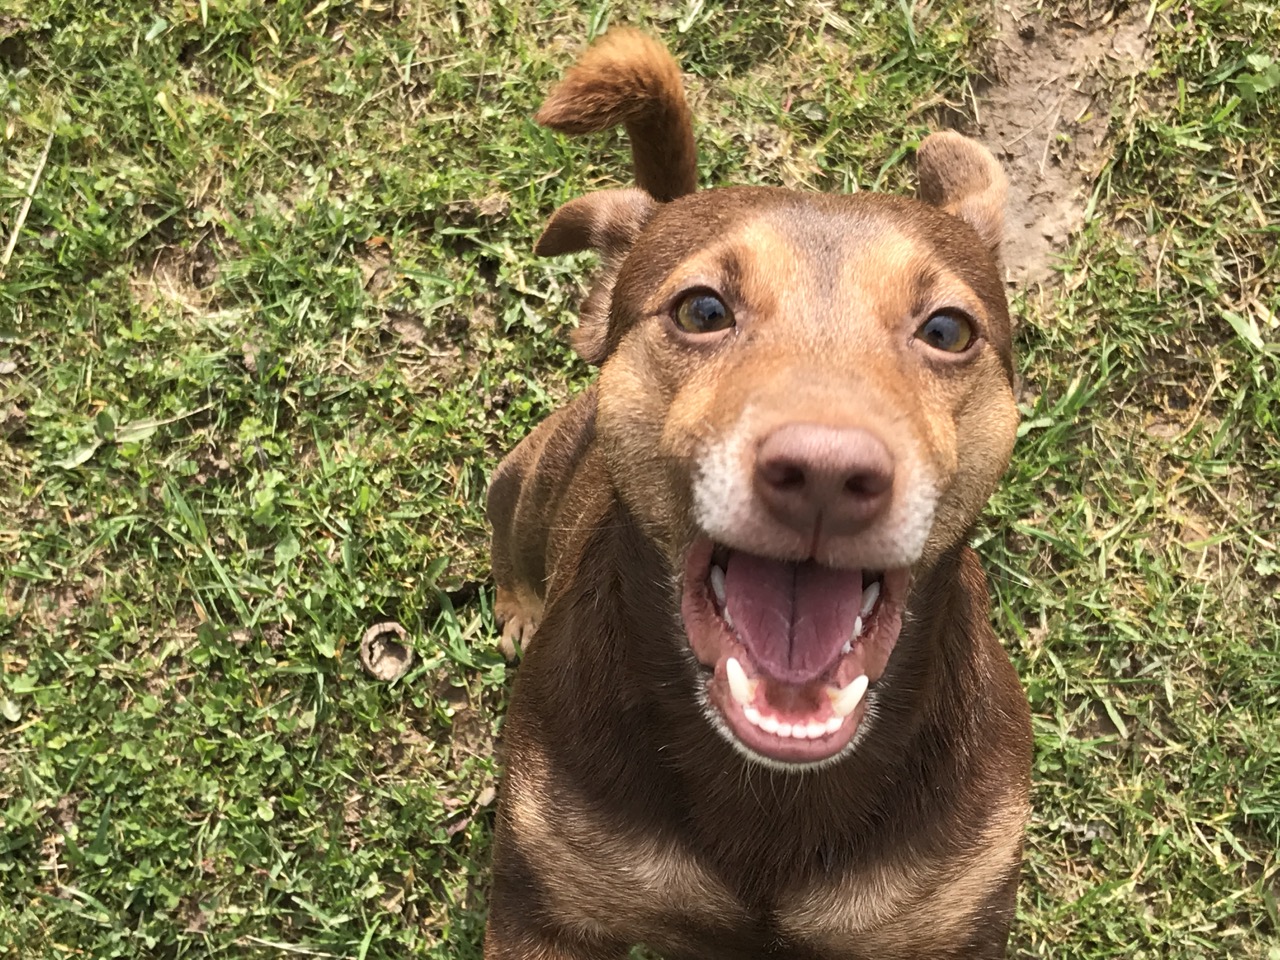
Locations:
column 812, row 730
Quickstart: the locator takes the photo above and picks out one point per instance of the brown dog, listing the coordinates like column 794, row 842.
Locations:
column 764, row 712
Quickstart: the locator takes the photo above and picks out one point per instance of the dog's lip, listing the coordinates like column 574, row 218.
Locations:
column 803, row 723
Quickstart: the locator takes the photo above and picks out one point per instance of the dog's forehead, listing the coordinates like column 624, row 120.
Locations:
column 808, row 220
column 872, row 246
column 859, row 238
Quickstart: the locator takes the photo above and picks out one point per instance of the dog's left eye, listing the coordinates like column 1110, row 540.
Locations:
column 948, row 331
column 703, row 312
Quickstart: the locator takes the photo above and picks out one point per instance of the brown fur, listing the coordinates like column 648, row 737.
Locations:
column 629, row 78
column 625, row 817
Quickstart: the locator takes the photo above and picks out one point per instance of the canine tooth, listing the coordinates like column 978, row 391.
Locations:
column 834, row 724
column 846, row 700
column 857, row 627
column 869, row 597
column 717, row 585
column 784, row 729
column 752, row 715
column 769, row 724
column 743, row 690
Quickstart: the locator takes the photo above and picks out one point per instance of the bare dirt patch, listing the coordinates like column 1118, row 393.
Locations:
column 184, row 279
column 1047, row 117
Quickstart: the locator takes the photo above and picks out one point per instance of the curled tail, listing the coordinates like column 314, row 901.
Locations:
column 626, row 77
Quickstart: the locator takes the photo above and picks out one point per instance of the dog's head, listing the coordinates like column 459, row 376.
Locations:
column 806, row 401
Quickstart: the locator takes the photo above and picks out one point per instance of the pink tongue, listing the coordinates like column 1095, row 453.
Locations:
column 793, row 618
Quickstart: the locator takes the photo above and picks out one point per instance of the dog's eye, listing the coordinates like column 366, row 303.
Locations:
column 947, row 330
column 703, row 313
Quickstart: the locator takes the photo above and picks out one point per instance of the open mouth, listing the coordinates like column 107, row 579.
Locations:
column 790, row 649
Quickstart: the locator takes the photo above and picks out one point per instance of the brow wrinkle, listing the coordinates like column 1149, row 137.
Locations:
column 922, row 289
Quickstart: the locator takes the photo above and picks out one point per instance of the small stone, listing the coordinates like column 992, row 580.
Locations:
column 383, row 654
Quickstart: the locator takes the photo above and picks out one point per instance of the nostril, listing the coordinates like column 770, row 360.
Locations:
column 789, row 477
column 866, row 485
column 783, row 475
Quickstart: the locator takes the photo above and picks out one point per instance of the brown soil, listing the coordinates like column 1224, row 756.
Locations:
column 1047, row 118
column 174, row 277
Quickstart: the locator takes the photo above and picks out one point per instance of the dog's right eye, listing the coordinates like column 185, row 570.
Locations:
column 703, row 312
column 947, row 330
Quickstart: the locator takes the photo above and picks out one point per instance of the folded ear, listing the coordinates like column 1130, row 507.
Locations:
column 961, row 176
column 607, row 222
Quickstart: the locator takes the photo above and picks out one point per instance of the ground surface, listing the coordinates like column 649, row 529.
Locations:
column 272, row 316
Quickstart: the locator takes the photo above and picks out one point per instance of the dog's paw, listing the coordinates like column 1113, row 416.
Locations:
column 518, row 620
column 517, row 632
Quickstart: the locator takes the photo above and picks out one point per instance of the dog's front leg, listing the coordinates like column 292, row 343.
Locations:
column 527, row 511
column 534, row 912
column 519, row 930
column 517, row 555
column 530, row 945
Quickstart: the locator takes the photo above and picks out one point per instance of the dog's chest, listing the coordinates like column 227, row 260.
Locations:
column 602, row 881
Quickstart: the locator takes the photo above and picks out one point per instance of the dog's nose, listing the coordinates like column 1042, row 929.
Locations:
column 806, row 471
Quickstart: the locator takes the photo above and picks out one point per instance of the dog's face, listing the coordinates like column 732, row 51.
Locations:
column 805, row 400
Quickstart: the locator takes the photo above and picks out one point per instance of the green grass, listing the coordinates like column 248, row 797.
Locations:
column 273, row 317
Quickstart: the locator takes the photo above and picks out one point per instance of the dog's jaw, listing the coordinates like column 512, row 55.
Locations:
column 790, row 716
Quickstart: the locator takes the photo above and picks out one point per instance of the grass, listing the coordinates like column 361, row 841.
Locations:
column 273, row 317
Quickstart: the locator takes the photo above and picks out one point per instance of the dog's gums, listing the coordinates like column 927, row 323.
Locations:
column 788, row 650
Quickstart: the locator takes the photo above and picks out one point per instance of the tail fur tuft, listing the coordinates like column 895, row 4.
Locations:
column 629, row 78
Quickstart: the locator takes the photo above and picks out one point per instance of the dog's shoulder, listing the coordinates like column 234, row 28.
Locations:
column 610, row 879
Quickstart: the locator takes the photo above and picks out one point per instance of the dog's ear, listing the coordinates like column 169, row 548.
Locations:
column 607, row 222
column 961, row 176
